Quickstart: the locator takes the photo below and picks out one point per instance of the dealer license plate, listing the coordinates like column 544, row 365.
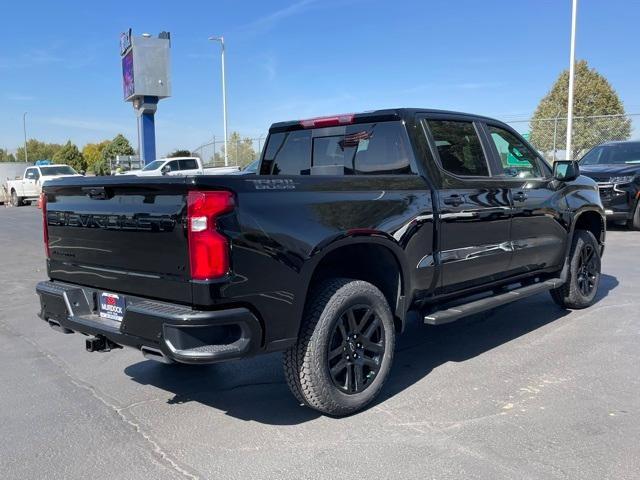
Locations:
column 111, row 306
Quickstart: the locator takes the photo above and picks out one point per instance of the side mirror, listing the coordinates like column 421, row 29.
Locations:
column 166, row 169
column 566, row 170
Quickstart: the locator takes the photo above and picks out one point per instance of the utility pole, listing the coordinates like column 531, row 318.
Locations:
column 224, row 99
column 572, row 61
column 555, row 136
column 24, row 128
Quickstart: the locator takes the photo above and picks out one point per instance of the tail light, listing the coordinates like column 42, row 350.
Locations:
column 45, row 227
column 208, row 249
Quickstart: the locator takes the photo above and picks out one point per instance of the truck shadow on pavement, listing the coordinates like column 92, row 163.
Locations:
column 255, row 390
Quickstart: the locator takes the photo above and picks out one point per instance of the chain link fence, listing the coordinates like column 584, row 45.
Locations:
column 242, row 151
column 549, row 135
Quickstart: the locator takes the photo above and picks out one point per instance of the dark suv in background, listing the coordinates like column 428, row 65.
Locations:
column 615, row 166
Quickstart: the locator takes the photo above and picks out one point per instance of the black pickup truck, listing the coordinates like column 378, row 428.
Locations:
column 351, row 223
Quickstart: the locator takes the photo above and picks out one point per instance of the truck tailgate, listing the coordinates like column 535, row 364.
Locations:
column 122, row 234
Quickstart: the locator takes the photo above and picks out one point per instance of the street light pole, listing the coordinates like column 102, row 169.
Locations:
column 572, row 61
column 24, row 128
column 224, row 100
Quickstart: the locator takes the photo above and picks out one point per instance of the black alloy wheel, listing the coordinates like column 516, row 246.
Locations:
column 356, row 349
column 587, row 270
column 583, row 276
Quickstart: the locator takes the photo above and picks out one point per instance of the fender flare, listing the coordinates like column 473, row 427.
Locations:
column 572, row 228
column 357, row 237
column 576, row 216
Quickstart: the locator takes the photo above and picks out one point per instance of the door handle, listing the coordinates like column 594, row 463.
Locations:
column 453, row 200
column 519, row 196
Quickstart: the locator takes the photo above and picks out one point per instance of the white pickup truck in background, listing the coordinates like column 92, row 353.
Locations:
column 28, row 187
column 180, row 166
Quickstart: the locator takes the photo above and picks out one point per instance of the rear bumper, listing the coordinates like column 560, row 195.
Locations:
column 178, row 332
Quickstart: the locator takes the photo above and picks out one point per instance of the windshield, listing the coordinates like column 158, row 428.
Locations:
column 153, row 165
column 621, row 153
column 57, row 170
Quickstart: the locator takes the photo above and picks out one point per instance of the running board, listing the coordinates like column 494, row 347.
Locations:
column 454, row 313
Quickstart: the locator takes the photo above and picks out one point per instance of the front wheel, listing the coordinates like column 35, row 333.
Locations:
column 579, row 291
column 345, row 348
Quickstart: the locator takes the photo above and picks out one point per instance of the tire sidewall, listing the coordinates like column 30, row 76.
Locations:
column 634, row 223
column 337, row 305
column 583, row 238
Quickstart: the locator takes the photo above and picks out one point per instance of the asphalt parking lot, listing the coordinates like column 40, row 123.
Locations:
column 525, row 391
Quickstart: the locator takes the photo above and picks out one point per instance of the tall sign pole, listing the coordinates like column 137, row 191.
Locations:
column 572, row 62
column 146, row 80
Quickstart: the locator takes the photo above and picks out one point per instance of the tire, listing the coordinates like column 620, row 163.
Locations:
column 634, row 222
column 16, row 201
column 341, row 308
column 581, row 287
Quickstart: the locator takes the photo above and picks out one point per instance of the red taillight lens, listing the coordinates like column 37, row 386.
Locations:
column 45, row 227
column 208, row 249
column 333, row 121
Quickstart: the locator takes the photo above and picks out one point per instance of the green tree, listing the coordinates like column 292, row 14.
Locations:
column 70, row 155
column 92, row 153
column 5, row 156
column 180, row 153
column 37, row 150
column 101, row 167
column 241, row 151
column 118, row 146
column 593, row 95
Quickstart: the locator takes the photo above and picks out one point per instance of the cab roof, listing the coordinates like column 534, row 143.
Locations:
column 369, row 116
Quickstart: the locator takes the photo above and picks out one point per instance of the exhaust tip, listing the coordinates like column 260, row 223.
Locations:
column 57, row 327
column 155, row 355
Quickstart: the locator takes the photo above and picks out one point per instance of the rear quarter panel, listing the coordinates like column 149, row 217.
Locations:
column 16, row 185
column 283, row 227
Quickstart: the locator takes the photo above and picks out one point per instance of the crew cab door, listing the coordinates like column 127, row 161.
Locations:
column 189, row 166
column 474, row 212
column 172, row 168
column 30, row 182
column 537, row 236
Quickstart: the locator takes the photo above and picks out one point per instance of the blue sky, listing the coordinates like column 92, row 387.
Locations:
column 291, row 59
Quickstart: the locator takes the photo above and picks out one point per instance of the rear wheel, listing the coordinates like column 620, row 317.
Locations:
column 634, row 222
column 579, row 291
column 16, row 201
column 345, row 349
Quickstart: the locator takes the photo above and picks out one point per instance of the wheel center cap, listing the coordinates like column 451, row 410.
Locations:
column 352, row 346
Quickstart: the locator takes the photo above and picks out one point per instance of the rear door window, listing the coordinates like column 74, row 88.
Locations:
column 459, row 147
column 188, row 164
